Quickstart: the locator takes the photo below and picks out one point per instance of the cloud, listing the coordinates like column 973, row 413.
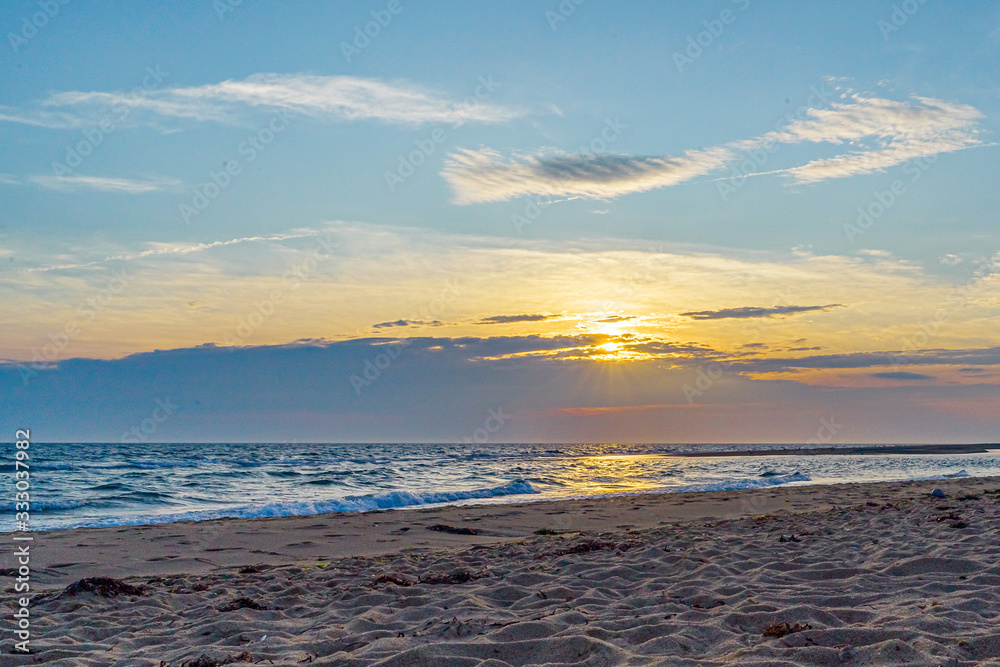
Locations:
column 988, row 356
column 902, row 375
column 484, row 175
column 407, row 323
column 380, row 273
column 41, row 118
column 104, row 183
column 896, row 131
column 439, row 389
column 176, row 249
column 506, row 319
column 753, row 311
column 881, row 132
column 331, row 98
column 397, row 323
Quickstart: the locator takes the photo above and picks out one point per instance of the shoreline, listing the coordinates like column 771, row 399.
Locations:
column 512, row 499
column 852, row 450
column 874, row 573
column 200, row 546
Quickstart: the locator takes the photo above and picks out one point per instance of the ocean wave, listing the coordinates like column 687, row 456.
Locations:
column 156, row 465
column 729, row 484
column 954, row 475
column 46, row 505
column 367, row 503
column 393, row 499
column 549, row 480
column 38, row 465
column 740, row 484
column 111, row 486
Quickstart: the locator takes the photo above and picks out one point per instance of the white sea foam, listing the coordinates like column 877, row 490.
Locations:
column 367, row 503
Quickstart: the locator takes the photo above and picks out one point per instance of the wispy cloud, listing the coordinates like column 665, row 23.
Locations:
column 881, row 132
column 984, row 356
column 896, row 132
column 407, row 323
column 754, row 311
column 104, row 183
column 176, row 249
column 484, row 175
column 902, row 375
column 331, row 98
column 506, row 319
column 41, row 118
column 378, row 274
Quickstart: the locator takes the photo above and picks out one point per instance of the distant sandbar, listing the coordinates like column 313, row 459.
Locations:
column 855, row 450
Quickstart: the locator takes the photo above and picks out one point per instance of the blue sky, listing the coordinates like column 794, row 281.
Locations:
column 798, row 201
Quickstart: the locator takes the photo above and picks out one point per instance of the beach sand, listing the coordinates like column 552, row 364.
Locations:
column 851, row 574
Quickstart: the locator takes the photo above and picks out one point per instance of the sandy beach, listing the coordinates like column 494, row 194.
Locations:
column 855, row 574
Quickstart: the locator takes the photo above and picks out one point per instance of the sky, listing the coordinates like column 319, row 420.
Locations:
column 572, row 221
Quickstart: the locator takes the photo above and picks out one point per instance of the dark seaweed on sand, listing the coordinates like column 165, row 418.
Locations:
column 441, row 528
column 459, row 576
column 779, row 630
column 205, row 661
column 104, row 586
column 242, row 603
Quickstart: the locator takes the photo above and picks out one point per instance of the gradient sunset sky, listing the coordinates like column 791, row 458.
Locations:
column 731, row 221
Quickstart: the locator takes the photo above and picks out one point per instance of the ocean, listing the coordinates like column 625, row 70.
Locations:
column 95, row 484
